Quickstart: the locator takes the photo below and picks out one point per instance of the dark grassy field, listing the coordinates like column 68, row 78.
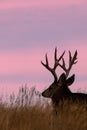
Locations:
column 24, row 113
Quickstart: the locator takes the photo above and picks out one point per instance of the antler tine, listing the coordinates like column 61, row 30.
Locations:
column 52, row 70
column 47, row 64
column 55, row 54
column 56, row 63
column 47, row 60
column 72, row 61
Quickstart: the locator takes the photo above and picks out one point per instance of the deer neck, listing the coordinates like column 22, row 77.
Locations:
column 65, row 93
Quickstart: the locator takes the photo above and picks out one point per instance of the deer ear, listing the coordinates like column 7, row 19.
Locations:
column 62, row 78
column 70, row 80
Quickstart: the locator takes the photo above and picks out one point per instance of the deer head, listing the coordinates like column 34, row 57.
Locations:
column 59, row 88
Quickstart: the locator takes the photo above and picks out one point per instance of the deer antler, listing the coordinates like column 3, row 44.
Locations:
column 56, row 63
column 72, row 61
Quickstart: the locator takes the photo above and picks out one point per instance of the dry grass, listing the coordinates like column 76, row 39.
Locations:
column 39, row 117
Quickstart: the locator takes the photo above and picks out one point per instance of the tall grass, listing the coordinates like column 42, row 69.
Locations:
column 27, row 111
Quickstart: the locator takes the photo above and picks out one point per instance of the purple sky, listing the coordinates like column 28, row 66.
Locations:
column 29, row 29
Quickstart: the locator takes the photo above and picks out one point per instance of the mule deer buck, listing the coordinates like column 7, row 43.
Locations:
column 58, row 90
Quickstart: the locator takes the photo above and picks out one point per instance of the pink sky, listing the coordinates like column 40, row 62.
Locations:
column 39, row 3
column 29, row 29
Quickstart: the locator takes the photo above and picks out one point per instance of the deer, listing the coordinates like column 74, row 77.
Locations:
column 58, row 90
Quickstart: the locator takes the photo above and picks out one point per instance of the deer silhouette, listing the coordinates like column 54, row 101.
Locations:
column 58, row 90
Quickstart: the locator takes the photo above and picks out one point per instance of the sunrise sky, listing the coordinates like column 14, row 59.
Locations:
column 29, row 29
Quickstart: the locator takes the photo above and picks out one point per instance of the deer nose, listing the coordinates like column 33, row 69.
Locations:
column 43, row 94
